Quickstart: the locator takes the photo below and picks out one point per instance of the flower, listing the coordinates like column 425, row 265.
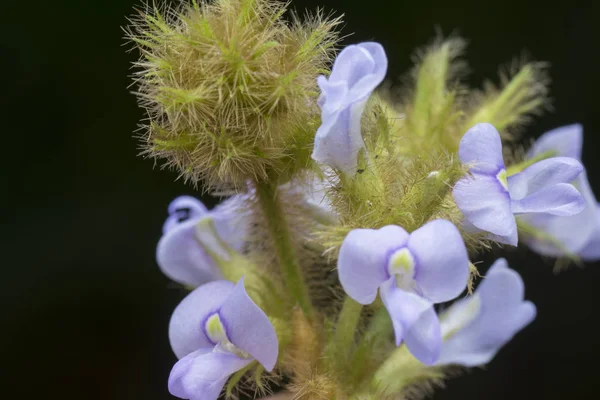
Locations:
column 356, row 72
column 215, row 331
column 412, row 271
column 475, row 328
column 578, row 234
column 191, row 232
column 489, row 199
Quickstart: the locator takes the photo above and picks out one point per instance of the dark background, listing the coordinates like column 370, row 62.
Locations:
column 84, row 309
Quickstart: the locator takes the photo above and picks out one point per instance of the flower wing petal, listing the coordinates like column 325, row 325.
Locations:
column 591, row 251
column 443, row 262
column 566, row 141
column 561, row 199
column 183, row 208
column 202, row 374
column 405, row 308
column 424, row 338
column 481, row 148
column 186, row 332
column 181, row 257
column 486, row 204
column 573, row 232
column 249, row 328
column 543, row 174
column 501, row 315
column 362, row 262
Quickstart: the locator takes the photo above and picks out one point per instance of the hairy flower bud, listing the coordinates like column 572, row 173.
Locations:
column 230, row 88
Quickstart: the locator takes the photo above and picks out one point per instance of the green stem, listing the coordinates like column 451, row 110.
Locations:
column 345, row 329
column 284, row 246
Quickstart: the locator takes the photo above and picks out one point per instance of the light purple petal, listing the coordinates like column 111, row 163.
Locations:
column 181, row 209
column 202, row 374
column 442, row 260
column 362, row 262
column 186, row 330
column 411, row 318
column 572, row 232
column 361, row 67
column 562, row 199
column 333, row 95
column 499, row 313
column 232, row 219
column 424, row 338
column 181, row 257
column 566, row 141
column 249, row 328
column 486, row 204
column 338, row 140
column 591, row 251
column 366, row 83
column 481, row 148
column 543, row 174
column 181, row 253
column 356, row 72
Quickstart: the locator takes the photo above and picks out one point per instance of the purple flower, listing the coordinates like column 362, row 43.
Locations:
column 412, row 271
column 578, row 234
column 489, row 199
column 215, row 331
column 191, row 232
column 356, row 72
column 475, row 328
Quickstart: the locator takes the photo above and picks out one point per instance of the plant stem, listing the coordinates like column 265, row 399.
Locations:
column 284, row 247
column 345, row 329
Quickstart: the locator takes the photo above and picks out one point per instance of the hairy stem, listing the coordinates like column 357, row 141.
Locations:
column 345, row 329
column 283, row 244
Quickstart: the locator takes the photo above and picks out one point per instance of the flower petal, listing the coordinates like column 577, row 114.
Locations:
column 362, row 262
column 181, row 257
column 181, row 209
column 367, row 82
column 543, row 174
column 249, row 328
column 481, row 147
column 406, row 311
column 442, row 260
column 338, row 140
column 356, row 72
column 424, row 338
column 566, row 141
column 186, row 330
column 202, row 374
column 500, row 315
column 486, row 204
column 232, row 221
column 333, row 95
column 573, row 232
column 361, row 67
column 561, row 199
column 191, row 229
column 591, row 251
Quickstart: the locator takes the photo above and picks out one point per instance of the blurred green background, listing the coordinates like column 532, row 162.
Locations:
column 84, row 307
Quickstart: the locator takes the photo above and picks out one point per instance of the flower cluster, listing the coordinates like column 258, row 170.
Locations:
column 332, row 246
